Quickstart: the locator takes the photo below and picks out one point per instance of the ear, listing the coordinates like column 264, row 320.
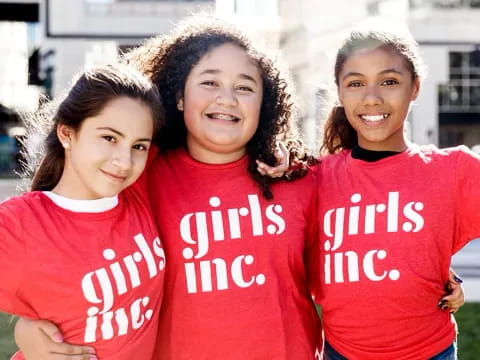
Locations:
column 415, row 89
column 180, row 104
column 65, row 135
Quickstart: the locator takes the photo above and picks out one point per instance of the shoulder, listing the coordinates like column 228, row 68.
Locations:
column 20, row 202
column 333, row 160
column 431, row 153
column 300, row 188
column 164, row 160
column 18, row 208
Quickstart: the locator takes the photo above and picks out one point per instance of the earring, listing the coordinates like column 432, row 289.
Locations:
column 180, row 105
column 66, row 145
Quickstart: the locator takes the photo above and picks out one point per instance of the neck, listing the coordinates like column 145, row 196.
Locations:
column 63, row 188
column 69, row 185
column 399, row 147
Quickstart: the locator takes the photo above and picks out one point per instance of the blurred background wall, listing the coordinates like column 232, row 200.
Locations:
column 44, row 42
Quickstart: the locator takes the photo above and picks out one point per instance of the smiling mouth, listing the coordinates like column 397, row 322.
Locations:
column 373, row 119
column 220, row 116
column 113, row 176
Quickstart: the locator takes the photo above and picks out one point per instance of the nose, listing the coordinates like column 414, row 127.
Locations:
column 122, row 159
column 226, row 97
column 372, row 96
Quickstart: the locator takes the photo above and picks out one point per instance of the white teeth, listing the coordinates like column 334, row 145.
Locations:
column 223, row 117
column 374, row 117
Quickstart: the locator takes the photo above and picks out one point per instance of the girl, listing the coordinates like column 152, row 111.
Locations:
column 394, row 214
column 236, row 287
column 78, row 250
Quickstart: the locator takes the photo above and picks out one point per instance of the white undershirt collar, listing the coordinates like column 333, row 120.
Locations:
column 84, row 206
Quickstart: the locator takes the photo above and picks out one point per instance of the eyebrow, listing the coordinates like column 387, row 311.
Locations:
column 120, row 134
column 217, row 71
column 386, row 71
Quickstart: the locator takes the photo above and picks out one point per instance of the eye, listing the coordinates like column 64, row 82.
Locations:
column 140, row 147
column 109, row 138
column 208, row 83
column 354, row 84
column 390, row 82
column 244, row 88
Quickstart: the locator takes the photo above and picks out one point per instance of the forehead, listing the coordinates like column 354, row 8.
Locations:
column 375, row 60
column 123, row 113
column 228, row 58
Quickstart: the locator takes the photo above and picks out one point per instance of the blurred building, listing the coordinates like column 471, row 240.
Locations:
column 16, row 94
column 45, row 42
column 448, row 111
column 309, row 33
column 53, row 39
column 79, row 33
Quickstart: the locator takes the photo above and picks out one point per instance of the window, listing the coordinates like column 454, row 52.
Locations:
column 462, row 92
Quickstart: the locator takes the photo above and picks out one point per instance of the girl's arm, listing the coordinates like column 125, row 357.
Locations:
column 42, row 340
column 455, row 297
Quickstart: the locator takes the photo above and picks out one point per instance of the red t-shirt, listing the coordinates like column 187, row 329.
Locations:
column 98, row 276
column 388, row 231
column 235, row 286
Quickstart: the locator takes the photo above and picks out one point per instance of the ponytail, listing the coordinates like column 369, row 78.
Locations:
column 48, row 173
column 338, row 134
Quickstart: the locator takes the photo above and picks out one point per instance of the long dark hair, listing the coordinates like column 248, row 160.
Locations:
column 168, row 60
column 338, row 133
column 87, row 97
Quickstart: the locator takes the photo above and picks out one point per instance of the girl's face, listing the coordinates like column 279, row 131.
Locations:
column 109, row 151
column 375, row 89
column 221, row 104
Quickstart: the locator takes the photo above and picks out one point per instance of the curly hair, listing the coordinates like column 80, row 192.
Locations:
column 169, row 59
column 338, row 133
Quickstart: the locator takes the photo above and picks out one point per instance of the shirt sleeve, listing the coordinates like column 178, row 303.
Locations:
column 12, row 262
column 468, row 198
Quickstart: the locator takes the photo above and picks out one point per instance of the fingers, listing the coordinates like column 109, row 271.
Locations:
column 70, row 357
column 50, row 330
column 69, row 351
column 282, row 155
column 72, row 352
column 454, row 300
column 42, row 340
column 262, row 168
column 64, row 350
column 281, row 166
column 453, row 277
column 274, row 172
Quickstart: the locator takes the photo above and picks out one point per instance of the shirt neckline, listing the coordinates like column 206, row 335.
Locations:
column 83, row 206
column 389, row 160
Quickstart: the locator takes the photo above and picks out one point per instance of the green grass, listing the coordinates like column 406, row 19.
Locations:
column 468, row 319
column 7, row 345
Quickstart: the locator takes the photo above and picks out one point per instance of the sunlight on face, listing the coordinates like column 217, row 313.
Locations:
column 221, row 104
column 109, row 151
column 376, row 89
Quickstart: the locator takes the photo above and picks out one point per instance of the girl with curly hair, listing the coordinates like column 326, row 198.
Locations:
column 236, row 241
